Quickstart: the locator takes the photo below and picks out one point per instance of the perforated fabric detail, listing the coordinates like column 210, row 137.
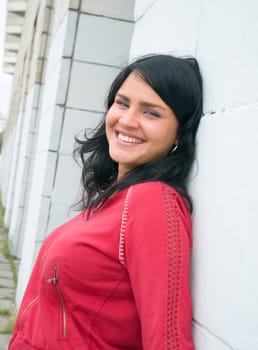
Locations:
column 174, row 256
column 123, row 228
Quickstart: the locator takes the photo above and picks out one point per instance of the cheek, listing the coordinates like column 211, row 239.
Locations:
column 164, row 133
column 110, row 122
column 166, row 138
column 110, row 118
column 171, row 132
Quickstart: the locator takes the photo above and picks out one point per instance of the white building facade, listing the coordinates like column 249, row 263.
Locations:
column 69, row 53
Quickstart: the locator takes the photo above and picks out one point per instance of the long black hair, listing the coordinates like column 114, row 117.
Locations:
column 178, row 82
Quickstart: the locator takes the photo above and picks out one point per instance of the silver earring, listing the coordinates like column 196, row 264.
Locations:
column 174, row 149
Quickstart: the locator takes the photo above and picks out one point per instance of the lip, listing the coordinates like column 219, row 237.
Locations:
column 129, row 135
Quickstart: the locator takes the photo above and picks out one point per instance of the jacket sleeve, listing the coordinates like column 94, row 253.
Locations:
column 157, row 233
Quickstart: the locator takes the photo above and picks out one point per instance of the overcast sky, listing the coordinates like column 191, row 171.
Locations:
column 5, row 79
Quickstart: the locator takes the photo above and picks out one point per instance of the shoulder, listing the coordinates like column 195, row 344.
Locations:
column 150, row 189
column 147, row 192
column 156, row 198
column 155, row 211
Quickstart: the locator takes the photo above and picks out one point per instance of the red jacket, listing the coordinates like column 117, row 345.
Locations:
column 118, row 281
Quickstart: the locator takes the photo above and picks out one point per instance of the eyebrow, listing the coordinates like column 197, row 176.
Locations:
column 142, row 103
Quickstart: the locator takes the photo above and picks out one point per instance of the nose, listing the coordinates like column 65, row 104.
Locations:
column 129, row 118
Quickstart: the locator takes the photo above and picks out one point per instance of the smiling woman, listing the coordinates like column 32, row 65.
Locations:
column 140, row 127
column 117, row 275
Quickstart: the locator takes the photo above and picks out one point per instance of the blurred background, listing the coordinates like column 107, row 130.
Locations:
column 5, row 79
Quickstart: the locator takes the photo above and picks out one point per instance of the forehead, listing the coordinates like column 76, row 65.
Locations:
column 136, row 86
column 136, row 90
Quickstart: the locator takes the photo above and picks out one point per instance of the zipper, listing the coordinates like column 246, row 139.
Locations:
column 33, row 301
column 54, row 280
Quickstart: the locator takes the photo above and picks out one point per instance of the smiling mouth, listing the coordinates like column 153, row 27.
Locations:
column 129, row 139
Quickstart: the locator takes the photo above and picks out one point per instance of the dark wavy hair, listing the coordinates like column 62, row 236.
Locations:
column 177, row 80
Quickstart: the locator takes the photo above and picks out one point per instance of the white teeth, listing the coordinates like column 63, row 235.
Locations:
column 128, row 139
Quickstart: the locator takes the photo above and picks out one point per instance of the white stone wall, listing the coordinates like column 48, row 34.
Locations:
column 8, row 167
column 224, row 182
column 23, row 171
column 166, row 26
column 7, row 156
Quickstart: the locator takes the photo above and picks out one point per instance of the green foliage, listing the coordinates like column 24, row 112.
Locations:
column 8, row 329
column 5, row 312
column 9, row 315
column 6, row 250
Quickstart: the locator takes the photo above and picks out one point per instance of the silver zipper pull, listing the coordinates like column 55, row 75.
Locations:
column 52, row 280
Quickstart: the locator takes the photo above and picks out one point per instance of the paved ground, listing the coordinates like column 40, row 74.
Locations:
column 7, row 292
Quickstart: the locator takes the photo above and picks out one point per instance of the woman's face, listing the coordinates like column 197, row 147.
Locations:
column 140, row 127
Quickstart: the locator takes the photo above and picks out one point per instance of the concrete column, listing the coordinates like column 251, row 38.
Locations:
column 23, row 171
